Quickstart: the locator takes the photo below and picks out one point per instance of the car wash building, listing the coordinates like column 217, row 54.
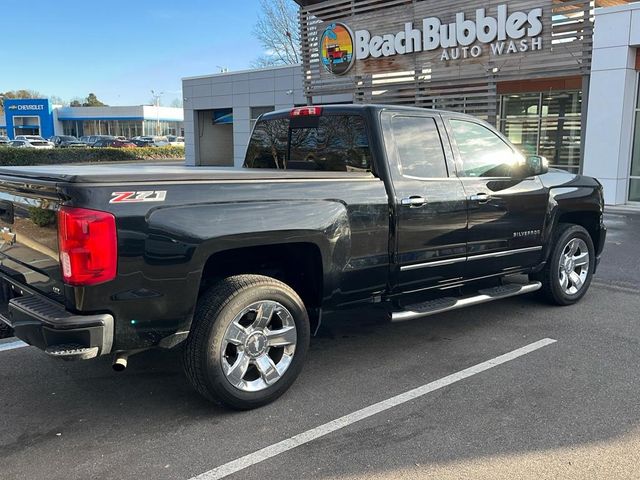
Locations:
column 530, row 67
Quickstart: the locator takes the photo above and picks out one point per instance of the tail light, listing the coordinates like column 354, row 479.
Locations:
column 306, row 112
column 88, row 246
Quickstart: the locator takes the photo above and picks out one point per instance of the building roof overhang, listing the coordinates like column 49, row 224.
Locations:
column 599, row 3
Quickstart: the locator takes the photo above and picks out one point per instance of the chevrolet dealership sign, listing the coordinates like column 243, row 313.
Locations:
column 28, row 108
column 505, row 33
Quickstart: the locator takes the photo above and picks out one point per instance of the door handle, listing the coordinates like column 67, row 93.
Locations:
column 480, row 197
column 414, row 201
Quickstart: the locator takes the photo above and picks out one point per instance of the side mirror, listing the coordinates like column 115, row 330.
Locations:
column 536, row 165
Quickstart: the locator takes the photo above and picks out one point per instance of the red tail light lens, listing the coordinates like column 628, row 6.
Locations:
column 306, row 112
column 88, row 246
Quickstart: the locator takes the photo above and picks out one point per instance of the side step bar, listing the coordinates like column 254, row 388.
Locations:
column 447, row 304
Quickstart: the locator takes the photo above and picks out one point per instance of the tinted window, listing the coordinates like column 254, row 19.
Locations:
column 268, row 145
column 326, row 143
column 482, row 152
column 419, row 147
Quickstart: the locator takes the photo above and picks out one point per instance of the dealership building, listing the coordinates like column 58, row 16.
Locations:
column 40, row 117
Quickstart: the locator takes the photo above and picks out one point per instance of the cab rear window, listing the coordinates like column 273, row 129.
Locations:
column 336, row 143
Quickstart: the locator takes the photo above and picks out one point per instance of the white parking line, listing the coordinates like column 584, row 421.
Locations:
column 342, row 422
column 12, row 345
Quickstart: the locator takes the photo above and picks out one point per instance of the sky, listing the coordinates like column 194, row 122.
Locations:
column 121, row 50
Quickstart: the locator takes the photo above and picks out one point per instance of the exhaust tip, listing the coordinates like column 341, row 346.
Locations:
column 120, row 363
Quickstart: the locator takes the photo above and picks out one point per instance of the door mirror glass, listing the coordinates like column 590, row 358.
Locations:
column 536, row 165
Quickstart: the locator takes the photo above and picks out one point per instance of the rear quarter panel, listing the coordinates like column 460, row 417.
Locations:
column 163, row 246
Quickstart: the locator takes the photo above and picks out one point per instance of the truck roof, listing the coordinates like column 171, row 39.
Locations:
column 356, row 108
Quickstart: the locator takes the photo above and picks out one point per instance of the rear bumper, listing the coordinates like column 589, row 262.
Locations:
column 48, row 326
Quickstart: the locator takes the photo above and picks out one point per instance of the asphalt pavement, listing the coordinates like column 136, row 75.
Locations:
column 569, row 409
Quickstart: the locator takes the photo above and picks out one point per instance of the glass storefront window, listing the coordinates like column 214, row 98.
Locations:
column 634, row 181
column 121, row 128
column 560, row 142
column 634, row 190
column 547, row 124
column 524, row 134
column 561, row 104
column 635, row 161
column 521, row 105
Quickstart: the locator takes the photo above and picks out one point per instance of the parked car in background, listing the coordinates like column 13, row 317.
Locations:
column 41, row 144
column 39, row 141
column 113, row 143
column 4, row 140
column 139, row 142
column 66, row 141
column 175, row 141
column 153, row 141
column 91, row 139
column 20, row 144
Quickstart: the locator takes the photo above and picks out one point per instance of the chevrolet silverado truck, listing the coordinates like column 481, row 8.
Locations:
column 416, row 211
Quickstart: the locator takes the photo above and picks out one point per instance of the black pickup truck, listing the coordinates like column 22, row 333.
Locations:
column 416, row 210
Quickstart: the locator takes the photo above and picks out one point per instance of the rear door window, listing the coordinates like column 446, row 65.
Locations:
column 336, row 143
column 419, row 147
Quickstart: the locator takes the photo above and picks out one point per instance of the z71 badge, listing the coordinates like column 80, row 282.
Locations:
column 139, row 197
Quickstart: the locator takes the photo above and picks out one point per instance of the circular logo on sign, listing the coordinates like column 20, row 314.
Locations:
column 336, row 49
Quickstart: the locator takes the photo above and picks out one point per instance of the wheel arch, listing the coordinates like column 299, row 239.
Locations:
column 299, row 265
column 578, row 206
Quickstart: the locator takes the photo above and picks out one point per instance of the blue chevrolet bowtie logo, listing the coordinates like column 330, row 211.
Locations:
column 13, row 107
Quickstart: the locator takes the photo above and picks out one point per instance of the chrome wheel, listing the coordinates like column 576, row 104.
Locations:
column 574, row 266
column 258, row 346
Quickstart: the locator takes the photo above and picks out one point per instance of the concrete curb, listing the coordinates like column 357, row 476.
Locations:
column 622, row 209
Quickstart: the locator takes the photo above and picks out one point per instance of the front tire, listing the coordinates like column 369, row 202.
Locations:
column 248, row 341
column 567, row 275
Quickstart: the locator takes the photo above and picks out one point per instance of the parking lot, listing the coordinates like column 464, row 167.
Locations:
column 567, row 406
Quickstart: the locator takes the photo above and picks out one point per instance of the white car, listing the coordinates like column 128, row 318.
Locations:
column 36, row 140
column 155, row 141
column 175, row 141
column 43, row 145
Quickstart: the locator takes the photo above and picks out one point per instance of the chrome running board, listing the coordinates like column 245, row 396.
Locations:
column 447, row 304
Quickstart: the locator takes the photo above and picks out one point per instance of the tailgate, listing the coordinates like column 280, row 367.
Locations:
column 28, row 236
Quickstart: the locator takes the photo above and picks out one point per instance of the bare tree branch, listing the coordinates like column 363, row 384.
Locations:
column 278, row 31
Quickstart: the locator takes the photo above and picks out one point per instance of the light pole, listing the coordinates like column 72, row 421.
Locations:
column 156, row 103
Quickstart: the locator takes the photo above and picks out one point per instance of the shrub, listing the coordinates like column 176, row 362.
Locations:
column 32, row 156
column 42, row 217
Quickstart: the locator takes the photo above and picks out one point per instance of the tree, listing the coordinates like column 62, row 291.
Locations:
column 76, row 102
column 92, row 101
column 56, row 100
column 18, row 94
column 176, row 103
column 278, row 32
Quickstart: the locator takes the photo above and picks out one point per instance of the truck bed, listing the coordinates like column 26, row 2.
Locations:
column 153, row 173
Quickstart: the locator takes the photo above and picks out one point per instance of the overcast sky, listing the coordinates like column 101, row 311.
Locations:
column 119, row 49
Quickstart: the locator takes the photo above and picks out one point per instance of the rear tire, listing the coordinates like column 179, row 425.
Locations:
column 248, row 341
column 567, row 275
